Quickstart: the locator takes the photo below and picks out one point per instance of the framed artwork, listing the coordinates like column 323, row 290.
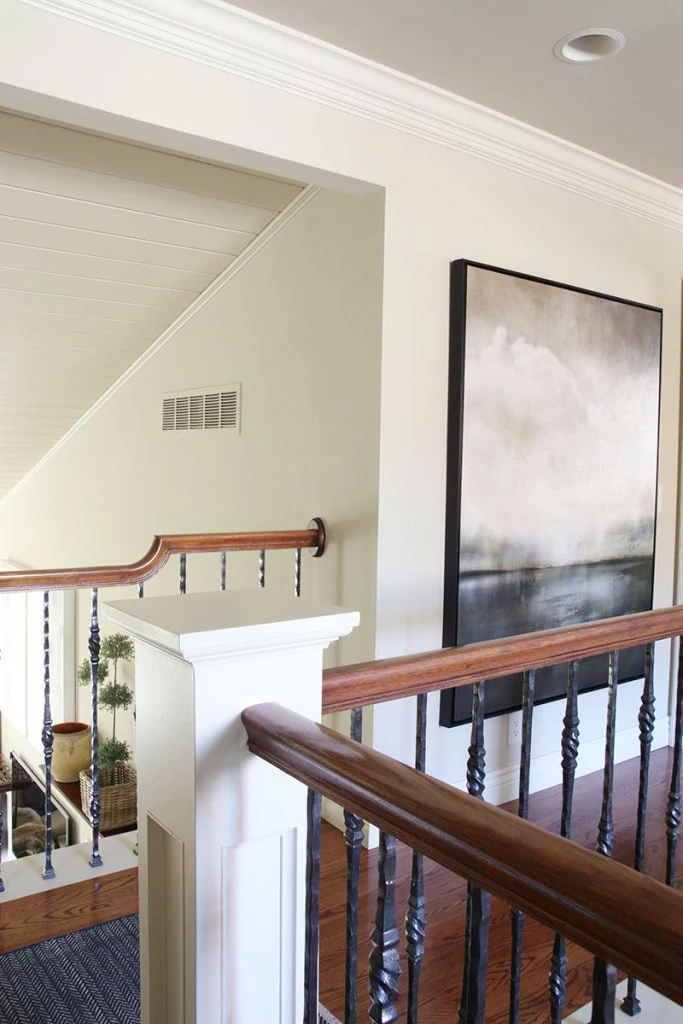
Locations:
column 553, row 426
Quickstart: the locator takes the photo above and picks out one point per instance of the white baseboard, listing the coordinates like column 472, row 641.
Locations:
column 23, row 877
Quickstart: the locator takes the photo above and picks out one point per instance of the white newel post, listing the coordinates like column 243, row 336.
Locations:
column 222, row 834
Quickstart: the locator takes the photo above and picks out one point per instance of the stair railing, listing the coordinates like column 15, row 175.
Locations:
column 480, row 665
column 96, row 577
column 620, row 915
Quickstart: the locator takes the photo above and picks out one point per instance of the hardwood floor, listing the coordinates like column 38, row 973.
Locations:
column 68, row 908
column 442, row 963
column 78, row 906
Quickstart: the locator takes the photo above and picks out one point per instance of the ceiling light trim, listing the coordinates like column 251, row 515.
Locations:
column 570, row 51
column 238, row 264
column 225, row 37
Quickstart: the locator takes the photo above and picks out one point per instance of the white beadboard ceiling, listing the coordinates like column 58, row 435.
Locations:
column 102, row 245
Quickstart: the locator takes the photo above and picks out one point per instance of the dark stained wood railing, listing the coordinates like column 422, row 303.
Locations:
column 357, row 686
column 163, row 547
column 625, row 918
column 375, row 681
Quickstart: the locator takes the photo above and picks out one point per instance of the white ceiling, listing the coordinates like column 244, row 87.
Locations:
column 102, row 245
column 499, row 53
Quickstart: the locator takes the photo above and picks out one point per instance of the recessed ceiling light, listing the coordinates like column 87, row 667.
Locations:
column 589, row 45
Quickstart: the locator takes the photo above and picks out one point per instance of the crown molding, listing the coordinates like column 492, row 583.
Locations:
column 235, row 267
column 222, row 36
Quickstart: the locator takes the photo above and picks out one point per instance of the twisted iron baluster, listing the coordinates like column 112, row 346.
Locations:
column 94, row 649
column 312, row 940
column 183, row 573
column 646, row 726
column 136, row 848
column 262, row 569
column 473, row 1001
column 2, row 804
column 517, row 917
column 297, row 572
column 604, row 974
column 416, row 917
column 385, row 968
column 605, row 844
column 570, row 751
column 673, row 806
column 48, row 738
column 353, row 834
column 224, row 569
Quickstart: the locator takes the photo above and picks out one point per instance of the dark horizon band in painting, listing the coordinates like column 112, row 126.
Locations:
column 553, row 426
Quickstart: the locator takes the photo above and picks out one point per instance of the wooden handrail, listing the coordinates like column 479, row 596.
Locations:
column 159, row 553
column 625, row 918
column 375, row 681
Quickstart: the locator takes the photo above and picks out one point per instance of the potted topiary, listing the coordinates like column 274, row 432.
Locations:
column 118, row 803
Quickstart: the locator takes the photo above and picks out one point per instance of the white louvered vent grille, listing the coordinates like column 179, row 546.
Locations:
column 203, row 409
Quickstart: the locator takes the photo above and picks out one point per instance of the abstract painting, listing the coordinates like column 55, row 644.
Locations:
column 553, row 424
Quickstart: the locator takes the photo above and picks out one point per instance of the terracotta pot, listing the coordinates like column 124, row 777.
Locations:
column 71, row 750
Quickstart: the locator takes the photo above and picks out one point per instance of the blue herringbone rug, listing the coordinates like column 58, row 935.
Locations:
column 88, row 977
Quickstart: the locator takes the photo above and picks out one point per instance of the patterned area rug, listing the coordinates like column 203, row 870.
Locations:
column 88, row 977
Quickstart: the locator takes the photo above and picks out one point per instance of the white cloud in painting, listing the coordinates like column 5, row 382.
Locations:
column 559, row 462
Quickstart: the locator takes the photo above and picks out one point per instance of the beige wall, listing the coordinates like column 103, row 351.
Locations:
column 299, row 328
column 440, row 205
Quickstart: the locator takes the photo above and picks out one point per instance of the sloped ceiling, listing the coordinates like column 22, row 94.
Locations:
column 102, row 245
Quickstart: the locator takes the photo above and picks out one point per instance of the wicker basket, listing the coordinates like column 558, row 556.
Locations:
column 118, row 796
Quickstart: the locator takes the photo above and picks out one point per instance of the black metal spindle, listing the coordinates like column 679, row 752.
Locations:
column 183, row 574
column 297, row 572
column 646, row 727
column 224, row 570
column 673, row 806
column 517, row 917
column 136, row 848
column 2, row 804
column 416, row 921
column 262, row 569
column 604, row 974
column 314, row 814
column 47, row 738
column 605, row 844
column 473, row 1000
column 385, row 969
column 353, row 834
column 94, row 650
column 570, row 751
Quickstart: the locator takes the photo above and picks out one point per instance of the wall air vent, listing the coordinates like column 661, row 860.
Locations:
column 215, row 408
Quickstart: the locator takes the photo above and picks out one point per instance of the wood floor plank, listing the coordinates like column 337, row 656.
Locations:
column 68, row 908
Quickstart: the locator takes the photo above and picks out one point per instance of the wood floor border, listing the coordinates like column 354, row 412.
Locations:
column 68, row 908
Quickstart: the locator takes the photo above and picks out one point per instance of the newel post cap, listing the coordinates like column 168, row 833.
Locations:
column 231, row 623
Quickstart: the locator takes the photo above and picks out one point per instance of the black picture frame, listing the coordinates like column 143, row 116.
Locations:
column 555, row 351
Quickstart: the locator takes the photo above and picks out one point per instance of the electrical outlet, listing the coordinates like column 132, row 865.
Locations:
column 515, row 729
